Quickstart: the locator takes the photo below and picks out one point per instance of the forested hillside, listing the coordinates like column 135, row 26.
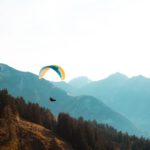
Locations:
column 23, row 125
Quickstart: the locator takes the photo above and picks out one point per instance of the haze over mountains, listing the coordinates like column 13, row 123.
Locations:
column 31, row 88
column 128, row 96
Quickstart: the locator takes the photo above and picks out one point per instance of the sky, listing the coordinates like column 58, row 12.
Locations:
column 93, row 38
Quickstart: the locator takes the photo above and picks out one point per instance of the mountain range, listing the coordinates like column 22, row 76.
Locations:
column 32, row 89
column 128, row 96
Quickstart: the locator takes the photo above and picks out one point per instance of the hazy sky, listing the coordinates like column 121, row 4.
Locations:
column 86, row 37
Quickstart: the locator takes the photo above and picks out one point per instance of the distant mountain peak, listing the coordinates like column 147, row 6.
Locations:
column 118, row 75
column 6, row 68
column 81, row 77
column 79, row 81
column 138, row 77
column 3, row 66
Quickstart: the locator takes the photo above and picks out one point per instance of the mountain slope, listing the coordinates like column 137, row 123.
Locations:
column 31, row 88
column 104, row 89
column 133, row 100
column 93, row 109
column 28, row 136
column 18, row 132
column 128, row 96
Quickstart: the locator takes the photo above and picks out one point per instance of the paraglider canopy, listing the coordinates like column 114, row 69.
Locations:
column 56, row 68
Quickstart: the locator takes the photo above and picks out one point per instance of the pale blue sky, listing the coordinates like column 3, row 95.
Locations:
column 86, row 37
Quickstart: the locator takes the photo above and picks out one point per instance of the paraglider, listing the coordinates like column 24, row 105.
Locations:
column 52, row 99
column 56, row 68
